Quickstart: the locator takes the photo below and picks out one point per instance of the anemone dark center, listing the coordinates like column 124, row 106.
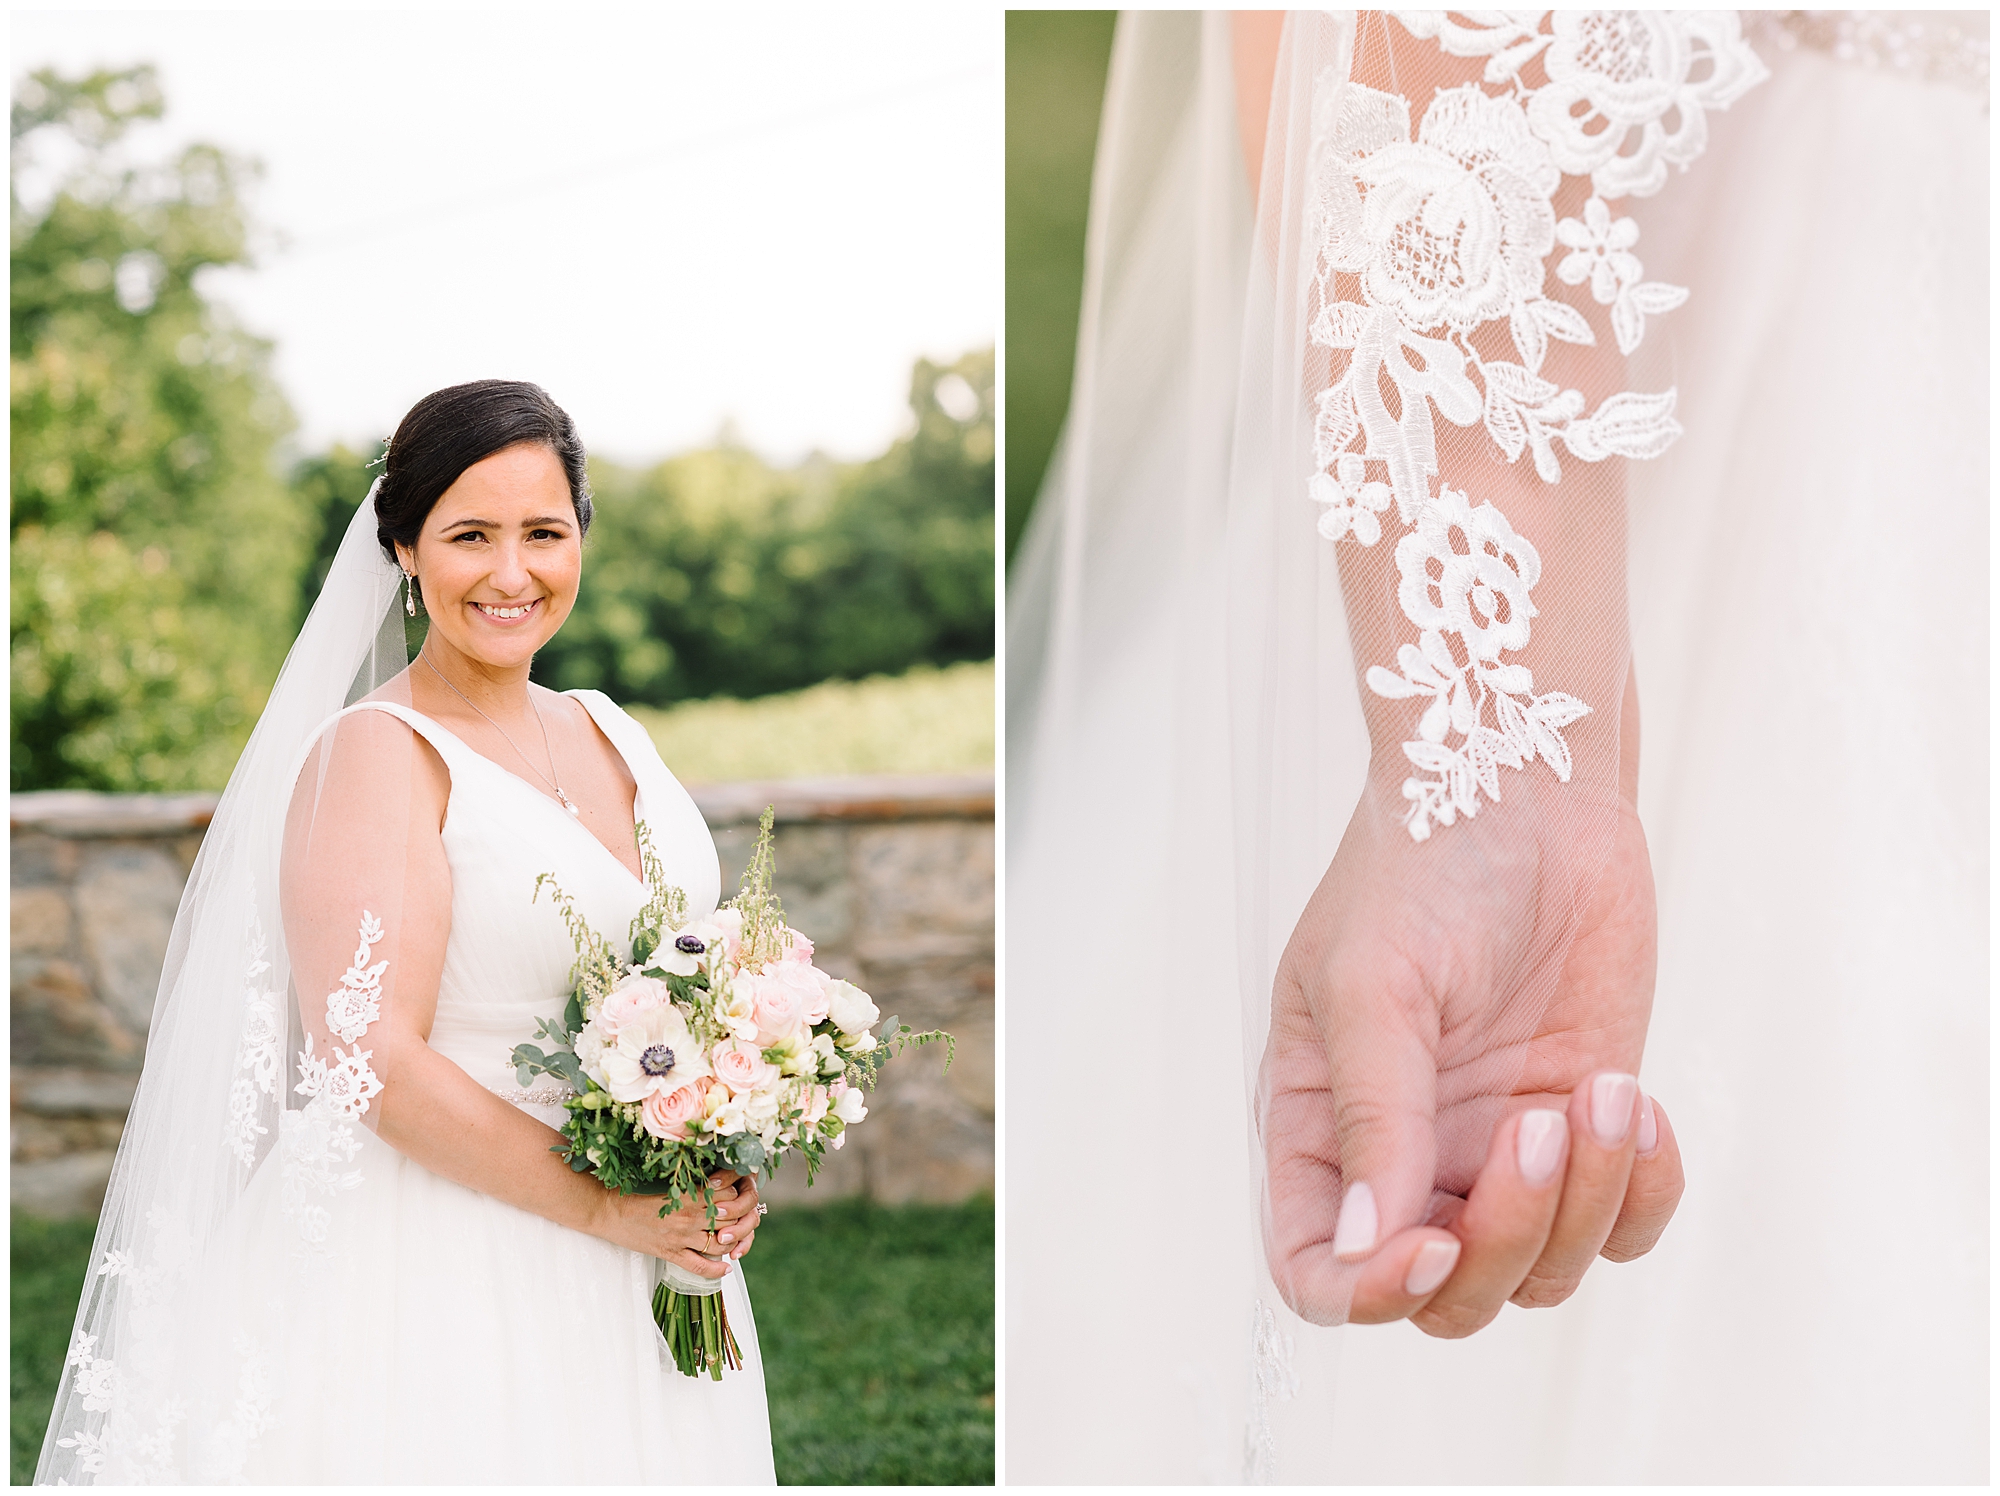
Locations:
column 691, row 944
column 657, row 1060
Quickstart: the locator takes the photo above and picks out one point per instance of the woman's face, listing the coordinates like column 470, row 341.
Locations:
column 499, row 558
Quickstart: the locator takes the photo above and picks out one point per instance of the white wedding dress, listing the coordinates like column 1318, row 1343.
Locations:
column 357, row 1319
column 1808, row 624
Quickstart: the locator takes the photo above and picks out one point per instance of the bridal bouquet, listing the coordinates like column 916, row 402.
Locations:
column 710, row 1044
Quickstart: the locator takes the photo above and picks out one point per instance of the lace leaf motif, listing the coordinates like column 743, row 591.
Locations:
column 1448, row 229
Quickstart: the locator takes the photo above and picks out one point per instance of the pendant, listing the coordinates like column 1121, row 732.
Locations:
column 569, row 805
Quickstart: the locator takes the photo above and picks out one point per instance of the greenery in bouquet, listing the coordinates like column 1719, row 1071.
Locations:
column 714, row 1045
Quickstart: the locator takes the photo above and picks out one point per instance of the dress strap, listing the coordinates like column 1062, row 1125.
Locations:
column 450, row 747
column 632, row 741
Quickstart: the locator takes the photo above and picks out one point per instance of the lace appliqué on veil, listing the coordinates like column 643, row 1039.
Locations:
column 259, row 1051
column 1438, row 232
column 1272, row 1380
column 319, row 1139
column 139, row 1432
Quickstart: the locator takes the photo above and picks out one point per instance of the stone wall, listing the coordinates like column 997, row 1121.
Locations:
column 891, row 877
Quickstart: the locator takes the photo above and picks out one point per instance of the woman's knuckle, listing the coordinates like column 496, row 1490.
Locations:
column 1451, row 1321
column 1543, row 1291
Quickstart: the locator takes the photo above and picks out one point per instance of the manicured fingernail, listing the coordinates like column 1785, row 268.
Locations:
column 727, row 1236
column 1649, row 1127
column 1354, row 1233
column 1538, row 1146
column 1430, row 1267
column 1611, row 1107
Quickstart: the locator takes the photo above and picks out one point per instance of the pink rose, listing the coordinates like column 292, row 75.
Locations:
column 802, row 948
column 742, row 1067
column 817, row 1004
column 817, row 1102
column 668, row 1116
column 784, row 993
column 629, row 999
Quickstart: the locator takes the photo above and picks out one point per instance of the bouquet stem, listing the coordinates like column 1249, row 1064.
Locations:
column 697, row 1331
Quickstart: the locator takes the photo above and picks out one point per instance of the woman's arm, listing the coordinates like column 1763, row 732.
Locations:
column 364, row 855
column 1465, row 962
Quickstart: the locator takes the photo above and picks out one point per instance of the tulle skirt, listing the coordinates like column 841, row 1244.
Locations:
column 435, row 1335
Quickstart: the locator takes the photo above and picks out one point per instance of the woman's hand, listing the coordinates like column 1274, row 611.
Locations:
column 689, row 1237
column 1449, row 1111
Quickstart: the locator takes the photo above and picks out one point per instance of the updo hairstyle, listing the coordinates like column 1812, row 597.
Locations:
column 447, row 432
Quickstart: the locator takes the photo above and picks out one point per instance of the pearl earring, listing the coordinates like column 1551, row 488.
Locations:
column 410, row 593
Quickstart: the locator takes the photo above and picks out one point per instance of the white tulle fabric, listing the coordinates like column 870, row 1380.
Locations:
column 278, row 1296
column 1194, row 675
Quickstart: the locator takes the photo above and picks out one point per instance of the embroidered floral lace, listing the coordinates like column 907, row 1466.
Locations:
column 319, row 1139
column 1431, row 251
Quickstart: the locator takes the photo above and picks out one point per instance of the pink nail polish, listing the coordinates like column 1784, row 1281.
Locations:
column 1611, row 1097
column 727, row 1236
column 1430, row 1267
column 1649, row 1128
column 1538, row 1146
column 1354, row 1232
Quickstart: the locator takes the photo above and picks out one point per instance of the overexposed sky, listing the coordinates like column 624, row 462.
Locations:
column 668, row 218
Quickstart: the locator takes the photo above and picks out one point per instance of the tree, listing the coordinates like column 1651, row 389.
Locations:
column 715, row 574
column 155, row 549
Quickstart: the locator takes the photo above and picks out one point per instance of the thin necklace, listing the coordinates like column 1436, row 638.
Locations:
column 554, row 784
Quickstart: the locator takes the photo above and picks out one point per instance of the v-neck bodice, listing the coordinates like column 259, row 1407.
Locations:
column 508, row 957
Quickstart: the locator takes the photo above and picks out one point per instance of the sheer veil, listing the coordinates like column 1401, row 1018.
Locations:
column 217, row 1087
column 1373, row 348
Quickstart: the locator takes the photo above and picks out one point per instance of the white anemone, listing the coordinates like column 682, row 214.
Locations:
column 654, row 1055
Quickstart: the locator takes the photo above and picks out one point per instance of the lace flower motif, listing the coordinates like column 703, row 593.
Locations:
column 1351, row 501
column 1458, row 220
column 1466, row 572
column 1628, row 91
column 1446, row 231
column 97, row 1384
column 1600, row 252
column 345, row 1083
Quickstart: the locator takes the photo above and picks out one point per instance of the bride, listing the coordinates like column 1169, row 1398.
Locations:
column 336, row 1246
column 1451, row 385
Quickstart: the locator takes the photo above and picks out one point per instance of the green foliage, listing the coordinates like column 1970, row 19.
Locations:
column 876, row 1325
column 155, row 552
column 714, row 574
column 328, row 489
column 47, row 1261
column 1056, row 62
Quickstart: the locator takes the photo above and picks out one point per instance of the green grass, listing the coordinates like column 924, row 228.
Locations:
column 876, row 1325
column 927, row 721
column 48, row 1261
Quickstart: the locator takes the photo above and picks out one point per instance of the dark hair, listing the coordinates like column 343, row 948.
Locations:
column 447, row 432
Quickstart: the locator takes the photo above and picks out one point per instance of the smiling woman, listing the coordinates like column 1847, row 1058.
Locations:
column 315, row 1200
